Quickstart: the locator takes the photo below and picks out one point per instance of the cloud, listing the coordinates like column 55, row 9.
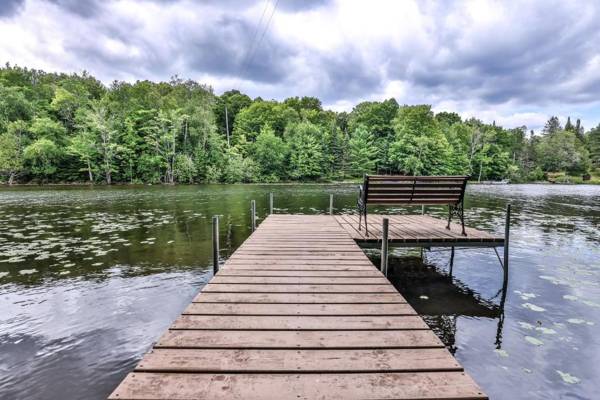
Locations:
column 517, row 62
column 10, row 7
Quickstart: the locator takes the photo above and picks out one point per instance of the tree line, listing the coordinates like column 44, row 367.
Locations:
column 62, row 128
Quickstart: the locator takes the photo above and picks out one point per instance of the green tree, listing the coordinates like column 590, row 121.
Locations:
column 419, row 147
column 259, row 114
column 97, row 121
column 593, row 146
column 270, row 153
column 562, row 151
column 363, row 153
column 43, row 157
column 14, row 106
column 45, row 127
column 65, row 104
column 84, row 146
column 306, row 151
column 11, row 160
column 552, row 126
column 234, row 101
column 184, row 169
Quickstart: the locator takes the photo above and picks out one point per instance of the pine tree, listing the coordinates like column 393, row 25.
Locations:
column 364, row 154
column 569, row 126
column 552, row 126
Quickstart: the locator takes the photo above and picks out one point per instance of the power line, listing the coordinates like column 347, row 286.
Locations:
column 246, row 56
column 261, row 37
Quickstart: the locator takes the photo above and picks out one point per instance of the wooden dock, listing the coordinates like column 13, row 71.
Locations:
column 299, row 312
column 417, row 230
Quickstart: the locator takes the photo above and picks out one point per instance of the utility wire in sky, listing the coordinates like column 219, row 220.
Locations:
column 255, row 48
column 252, row 41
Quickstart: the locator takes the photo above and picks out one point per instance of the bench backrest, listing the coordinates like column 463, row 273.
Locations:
column 415, row 190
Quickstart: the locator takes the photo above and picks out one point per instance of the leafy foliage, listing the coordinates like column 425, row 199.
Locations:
column 72, row 128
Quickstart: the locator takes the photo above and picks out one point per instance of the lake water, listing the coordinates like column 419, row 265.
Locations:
column 90, row 277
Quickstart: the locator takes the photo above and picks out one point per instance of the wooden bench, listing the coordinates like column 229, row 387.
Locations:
column 413, row 190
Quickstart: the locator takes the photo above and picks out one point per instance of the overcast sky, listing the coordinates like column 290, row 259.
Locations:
column 513, row 62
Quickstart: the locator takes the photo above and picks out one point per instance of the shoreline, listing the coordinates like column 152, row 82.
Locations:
column 291, row 183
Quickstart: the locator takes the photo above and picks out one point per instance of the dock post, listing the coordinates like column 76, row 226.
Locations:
column 215, row 243
column 423, row 209
column 253, row 214
column 330, row 204
column 270, row 203
column 506, row 243
column 451, row 260
column 384, row 247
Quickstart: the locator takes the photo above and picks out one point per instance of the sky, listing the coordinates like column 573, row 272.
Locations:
column 513, row 62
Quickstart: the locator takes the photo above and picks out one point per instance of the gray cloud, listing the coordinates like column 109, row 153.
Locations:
column 537, row 55
column 229, row 47
column 10, row 7
column 83, row 8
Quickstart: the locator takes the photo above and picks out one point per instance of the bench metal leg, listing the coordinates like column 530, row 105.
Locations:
column 359, row 219
column 366, row 226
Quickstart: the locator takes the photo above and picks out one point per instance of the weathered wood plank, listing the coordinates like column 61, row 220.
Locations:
column 298, row 322
column 426, row 385
column 294, row 361
column 298, row 309
column 324, row 288
column 293, row 272
column 378, row 339
column 360, row 280
column 300, row 298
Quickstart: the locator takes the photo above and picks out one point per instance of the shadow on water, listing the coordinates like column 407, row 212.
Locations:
column 441, row 298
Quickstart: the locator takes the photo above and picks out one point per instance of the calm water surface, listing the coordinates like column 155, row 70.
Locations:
column 89, row 278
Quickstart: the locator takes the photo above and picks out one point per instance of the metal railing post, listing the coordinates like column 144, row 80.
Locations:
column 270, row 203
column 506, row 243
column 253, row 214
column 215, row 243
column 330, row 204
column 384, row 247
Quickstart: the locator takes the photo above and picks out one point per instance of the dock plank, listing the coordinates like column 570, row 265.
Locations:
column 380, row 339
column 298, row 309
column 424, row 385
column 299, row 322
column 294, row 361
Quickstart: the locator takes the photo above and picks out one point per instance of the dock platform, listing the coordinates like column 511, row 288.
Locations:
column 417, row 230
column 299, row 312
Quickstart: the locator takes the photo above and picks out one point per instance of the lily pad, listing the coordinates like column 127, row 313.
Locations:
column 501, row 353
column 568, row 378
column 534, row 341
column 533, row 307
column 28, row 271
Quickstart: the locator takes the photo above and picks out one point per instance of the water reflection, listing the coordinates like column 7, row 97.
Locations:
column 440, row 298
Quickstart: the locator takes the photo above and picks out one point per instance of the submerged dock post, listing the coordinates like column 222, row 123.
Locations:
column 253, row 214
column 384, row 246
column 330, row 204
column 506, row 243
column 270, row 203
column 215, row 243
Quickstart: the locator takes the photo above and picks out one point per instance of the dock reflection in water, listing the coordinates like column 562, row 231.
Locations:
column 440, row 298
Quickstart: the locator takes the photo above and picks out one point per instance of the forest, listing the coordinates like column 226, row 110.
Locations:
column 71, row 128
